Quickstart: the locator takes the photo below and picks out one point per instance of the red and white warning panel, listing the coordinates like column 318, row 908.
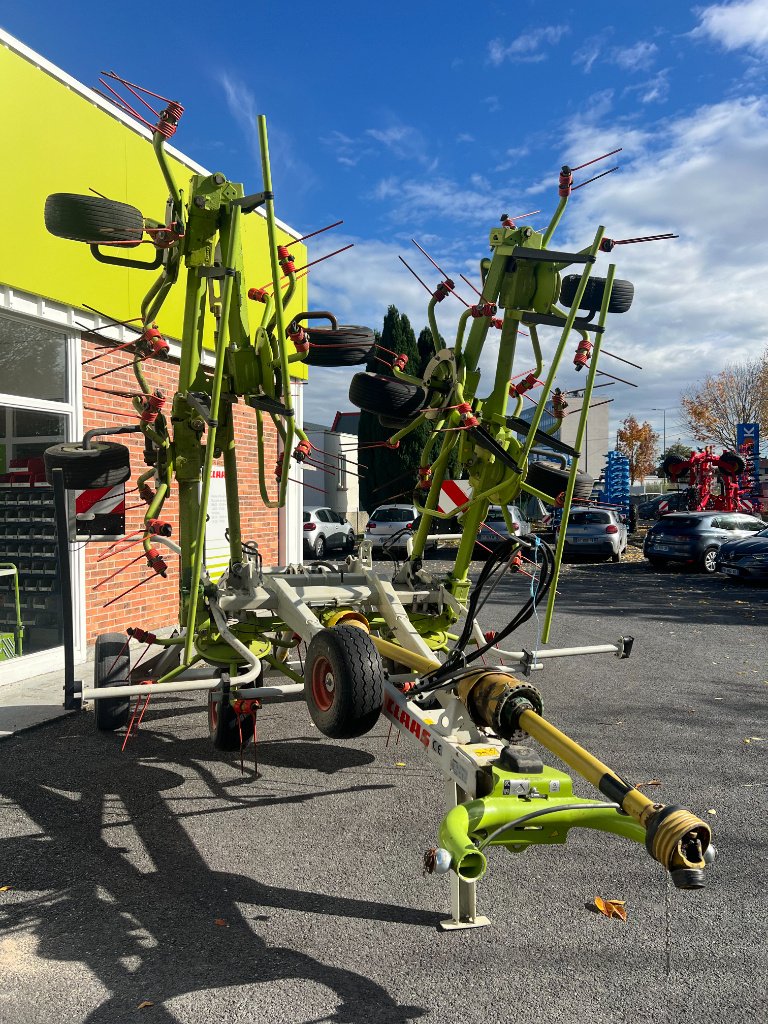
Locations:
column 98, row 513
column 453, row 495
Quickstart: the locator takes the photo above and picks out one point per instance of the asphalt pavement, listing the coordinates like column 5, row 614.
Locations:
column 164, row 876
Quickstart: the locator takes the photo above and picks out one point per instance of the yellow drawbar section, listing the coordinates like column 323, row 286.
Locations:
column 63, row 140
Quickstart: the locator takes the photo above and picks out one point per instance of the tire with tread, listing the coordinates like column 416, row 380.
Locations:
column 396, row 399
column 104, row 464
column 93, row 219
column 622, row 293
column 111, row 667
column 346, row 346
column 343, row 682
column 223, row 728
column 670, row 467
column 552, row 480
column 707, row 562
column 731, row 464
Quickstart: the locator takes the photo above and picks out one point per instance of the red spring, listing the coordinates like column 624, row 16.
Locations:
column 249, row 706
column 169, row 119
column 142, row 635
column 490, row 636
column 165, row 237
column 279, row 467
column 524, row 385
column 559, row 404
column 146, row 494
column 155, row 342
column 516, row 561
column 506, row 222
column 258, row 294
column 302, row 451
column 153, row 405
column 483, row 309
column 443, row 290
column 283, row 253
column 299, row 337
column 498, row 324
column 159, row 528
column 607, row 245
column 400, row 362
column 425, row 478
column 566, row 182
column 156, row 562
column 560, row 500
column 392, row 444
column 583, row 353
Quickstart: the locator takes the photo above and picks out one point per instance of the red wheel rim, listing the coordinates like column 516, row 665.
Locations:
column 323, row 684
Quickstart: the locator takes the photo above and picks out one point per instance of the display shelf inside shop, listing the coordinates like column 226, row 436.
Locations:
column 28, row 540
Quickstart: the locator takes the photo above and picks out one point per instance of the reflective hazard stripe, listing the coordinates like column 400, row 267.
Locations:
column 454, row 494
column 100, row 501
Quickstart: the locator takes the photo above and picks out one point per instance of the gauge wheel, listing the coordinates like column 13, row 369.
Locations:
column 709, row 561
column 103, row 464
column 553, row 481
column 223, row 728
column 343, row 682
column 345, row 346
column 622, row 293
column 93, row 219
column 111, row 667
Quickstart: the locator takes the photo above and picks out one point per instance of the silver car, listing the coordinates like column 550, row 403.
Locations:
column 595, row 531
column 494, row 529
column 325, row 530
column 390, row 526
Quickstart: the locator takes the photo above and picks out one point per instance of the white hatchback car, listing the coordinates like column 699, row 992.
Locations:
column 595, row 531
column 390, row 526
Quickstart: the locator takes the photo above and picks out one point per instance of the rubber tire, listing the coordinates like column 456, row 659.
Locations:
column 323, row 342
column 703, row 562
column 392, row 423
column 669, row 462
column 349, row 545
column 104, row 464
column 657, row 563
column 734, row 464
column 111, row 668
column 387, row 396
column 222, row 726
column 319, row 547
column 358, row 677
column 622, row 293
column 616, row 556
column 93, row 219
column 552, row 480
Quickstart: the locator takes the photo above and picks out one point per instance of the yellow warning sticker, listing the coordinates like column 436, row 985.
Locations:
column 484, row 751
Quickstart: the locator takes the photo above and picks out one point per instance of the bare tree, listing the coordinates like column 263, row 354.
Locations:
column 712, row 409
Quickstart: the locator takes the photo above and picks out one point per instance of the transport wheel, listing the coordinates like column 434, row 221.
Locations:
column 111, row 667
column 396, row 399
column 319, row 547
column 393, row 423
column 93, row 219
column 553, row 480
column 708, row 560
column 622, row 293
column 347, row 346
column 222, row 725
column 343, row 682
column 731, row 463
column 104, row 464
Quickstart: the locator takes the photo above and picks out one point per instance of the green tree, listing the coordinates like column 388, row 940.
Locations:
column 390, row 475
column 638, row 442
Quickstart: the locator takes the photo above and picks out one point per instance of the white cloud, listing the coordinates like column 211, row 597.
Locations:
column 735, row 26
column 635, row 58
column 526, row 48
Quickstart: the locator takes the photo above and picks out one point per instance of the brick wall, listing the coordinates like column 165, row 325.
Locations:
column 155, row 604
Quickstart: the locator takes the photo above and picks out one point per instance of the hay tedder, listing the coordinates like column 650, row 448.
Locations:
column 410, row 646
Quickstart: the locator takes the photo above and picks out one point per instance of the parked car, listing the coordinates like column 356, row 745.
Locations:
column 695, row 538
column 494, row 530
column 595, row 531
column 747, row 559
column 674, row 501
column 446, row 532
column 388, row 526
column 324, row 530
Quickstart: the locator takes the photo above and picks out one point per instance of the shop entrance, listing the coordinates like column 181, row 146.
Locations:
column 36, row 411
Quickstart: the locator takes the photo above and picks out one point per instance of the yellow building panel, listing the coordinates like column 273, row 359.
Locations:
column 60, row 141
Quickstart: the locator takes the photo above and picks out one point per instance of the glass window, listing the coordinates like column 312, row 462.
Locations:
column 33, row 361
column 324, row 515
column 750, row 524
column 307, row 516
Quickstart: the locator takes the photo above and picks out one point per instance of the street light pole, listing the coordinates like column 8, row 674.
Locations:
column 664, row 428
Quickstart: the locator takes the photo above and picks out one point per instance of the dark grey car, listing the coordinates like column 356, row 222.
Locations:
column 694, row 538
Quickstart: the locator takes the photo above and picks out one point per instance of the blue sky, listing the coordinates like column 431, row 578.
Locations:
column 431, row 120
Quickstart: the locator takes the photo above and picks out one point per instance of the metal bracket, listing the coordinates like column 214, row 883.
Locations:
column 521, row 252
column 252, row 202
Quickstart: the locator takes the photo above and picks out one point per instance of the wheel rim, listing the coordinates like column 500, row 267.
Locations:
column 320, row 547
column 323, row 684
column 709, row 561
